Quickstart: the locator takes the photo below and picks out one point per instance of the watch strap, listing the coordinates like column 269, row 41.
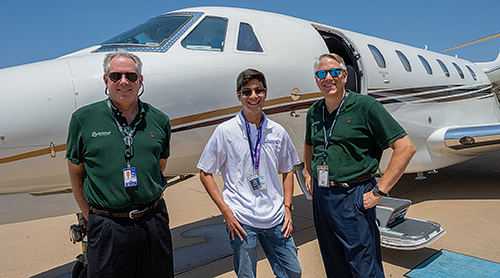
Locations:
column 377, row 190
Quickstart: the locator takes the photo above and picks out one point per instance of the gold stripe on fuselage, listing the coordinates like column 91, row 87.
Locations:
column 276, row 106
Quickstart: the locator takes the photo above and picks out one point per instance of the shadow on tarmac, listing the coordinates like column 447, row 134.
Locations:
column 200, row 243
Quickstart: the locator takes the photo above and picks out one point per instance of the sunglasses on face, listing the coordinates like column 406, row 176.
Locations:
column 248, row 92
column 115, row 76
column 335, row 72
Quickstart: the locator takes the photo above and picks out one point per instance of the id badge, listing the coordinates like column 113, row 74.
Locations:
column 255, row 182
column 323, row 180
column 129, row 177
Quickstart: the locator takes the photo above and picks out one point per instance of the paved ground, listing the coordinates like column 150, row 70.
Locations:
column 464, row 199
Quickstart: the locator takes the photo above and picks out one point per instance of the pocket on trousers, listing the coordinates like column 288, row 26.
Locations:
column 359, row 193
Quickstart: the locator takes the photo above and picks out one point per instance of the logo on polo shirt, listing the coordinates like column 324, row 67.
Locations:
column 273, row 142
column 102, row 133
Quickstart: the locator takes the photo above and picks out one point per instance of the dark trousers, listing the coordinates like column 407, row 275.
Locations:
column 122, row 247
column 348, row 235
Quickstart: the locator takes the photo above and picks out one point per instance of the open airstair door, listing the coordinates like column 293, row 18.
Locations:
column 396, row 230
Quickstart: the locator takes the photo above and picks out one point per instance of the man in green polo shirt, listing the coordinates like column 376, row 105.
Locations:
column 117, row 150
column 346, row 134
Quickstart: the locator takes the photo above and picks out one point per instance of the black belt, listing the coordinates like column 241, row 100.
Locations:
column 132, row 213
column 361, row 178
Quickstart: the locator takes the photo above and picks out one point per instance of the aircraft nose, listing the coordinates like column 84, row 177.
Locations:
column 34, row 99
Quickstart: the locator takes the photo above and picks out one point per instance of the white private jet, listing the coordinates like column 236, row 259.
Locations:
column 448, row 106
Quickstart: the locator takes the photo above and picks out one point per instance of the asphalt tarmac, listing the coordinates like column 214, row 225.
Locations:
column 464, row 199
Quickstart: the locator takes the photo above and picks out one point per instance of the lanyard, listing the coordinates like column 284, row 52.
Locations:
column 255, row 152
column 126, row 133
column 327, row 139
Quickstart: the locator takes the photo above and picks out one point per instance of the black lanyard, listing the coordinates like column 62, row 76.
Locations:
column 126, row 133
column 327, row 139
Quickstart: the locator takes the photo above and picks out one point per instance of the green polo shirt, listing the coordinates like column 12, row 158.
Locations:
column 363, row 130
column 94, row 140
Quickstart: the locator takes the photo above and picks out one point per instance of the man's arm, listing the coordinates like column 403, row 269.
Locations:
column 308, row 155
column 287, row 199
column 233, row 225
column 77, row 176
column 403, row 152
column 163, row 164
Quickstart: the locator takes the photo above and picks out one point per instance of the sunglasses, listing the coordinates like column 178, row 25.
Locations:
column 321, row 74
column 248, row 92
column 115, row 76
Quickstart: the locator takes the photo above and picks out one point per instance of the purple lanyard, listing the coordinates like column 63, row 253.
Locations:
column 256, row 151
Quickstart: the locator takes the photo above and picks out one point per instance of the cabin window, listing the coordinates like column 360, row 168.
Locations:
column 209, row 35
column 443, row 67
column 404, row 60
column 247, row 41
column 426, row 65
column 459, row 70
column 472, row 73
column 377, row 55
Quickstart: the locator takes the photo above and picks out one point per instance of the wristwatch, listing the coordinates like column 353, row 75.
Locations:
column 290, row 207
column 377, row 190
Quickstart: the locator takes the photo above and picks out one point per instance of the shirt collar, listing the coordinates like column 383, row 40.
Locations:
column 348, row 102
column 241, row 120
column 118, row 114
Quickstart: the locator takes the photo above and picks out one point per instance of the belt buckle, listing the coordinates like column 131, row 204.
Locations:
column 133, row 214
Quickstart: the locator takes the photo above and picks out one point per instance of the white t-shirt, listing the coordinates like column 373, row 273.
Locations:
column 228, row 150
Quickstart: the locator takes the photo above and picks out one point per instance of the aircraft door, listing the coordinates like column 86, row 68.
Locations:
column 339, row 44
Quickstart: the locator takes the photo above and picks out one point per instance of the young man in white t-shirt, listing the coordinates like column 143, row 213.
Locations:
column 249, row 151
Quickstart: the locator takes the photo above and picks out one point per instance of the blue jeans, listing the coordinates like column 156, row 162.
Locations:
column 280, row 251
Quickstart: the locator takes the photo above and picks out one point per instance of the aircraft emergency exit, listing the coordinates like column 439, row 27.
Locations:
column 448, row 106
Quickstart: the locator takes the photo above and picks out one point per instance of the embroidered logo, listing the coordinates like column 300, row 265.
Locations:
column 102, row 133
column 273, row 142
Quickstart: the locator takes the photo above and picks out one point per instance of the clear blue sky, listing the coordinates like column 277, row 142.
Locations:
column 36, row 30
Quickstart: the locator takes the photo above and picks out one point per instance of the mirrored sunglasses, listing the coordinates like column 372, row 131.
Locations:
column 248, row 92
column 321, row 74
column 115, row 76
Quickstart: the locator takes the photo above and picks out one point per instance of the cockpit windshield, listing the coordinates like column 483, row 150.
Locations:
column 156, row 34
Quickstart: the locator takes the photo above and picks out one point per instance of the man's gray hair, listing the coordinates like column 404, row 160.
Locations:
column 332, row 56
column 123, row 53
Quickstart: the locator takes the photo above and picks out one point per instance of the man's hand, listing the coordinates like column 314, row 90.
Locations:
column 233, row 226
column 287, row 223
column 371, row 199
column 310, row 184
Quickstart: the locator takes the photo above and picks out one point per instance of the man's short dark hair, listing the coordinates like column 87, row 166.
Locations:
column 245, row 76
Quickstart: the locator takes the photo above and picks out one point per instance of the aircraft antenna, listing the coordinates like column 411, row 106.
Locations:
column 497, row 35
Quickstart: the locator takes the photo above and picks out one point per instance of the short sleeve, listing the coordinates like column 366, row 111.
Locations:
column 288, row 155
column 384, row 127
column 214, row 154
column 308, row 139
column 74, row 143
